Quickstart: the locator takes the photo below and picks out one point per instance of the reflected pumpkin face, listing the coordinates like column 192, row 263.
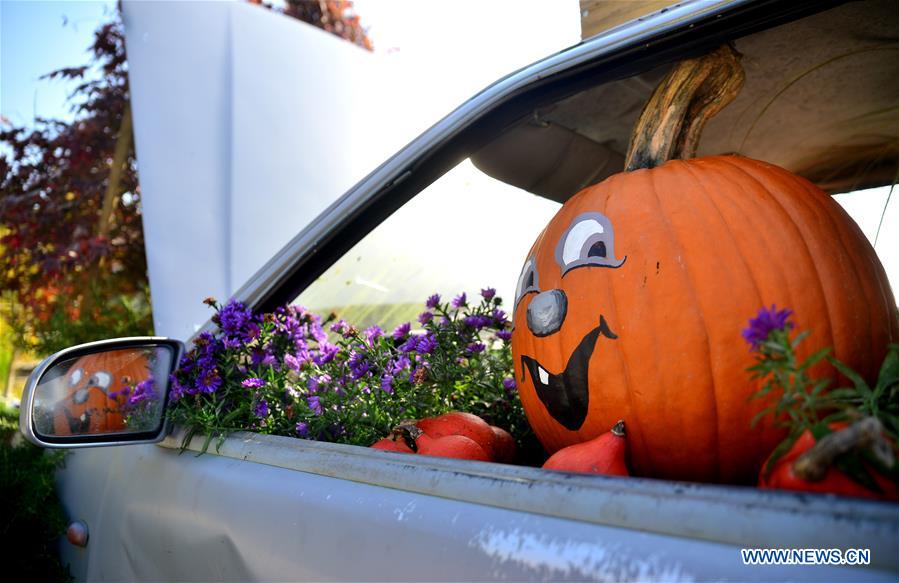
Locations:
column 91, row 406
column 631, row 302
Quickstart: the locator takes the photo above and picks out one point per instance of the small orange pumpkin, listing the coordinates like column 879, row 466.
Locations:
column 631, row 301
column 93, row 383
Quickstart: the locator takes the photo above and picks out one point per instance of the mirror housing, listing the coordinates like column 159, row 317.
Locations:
column 111, row 392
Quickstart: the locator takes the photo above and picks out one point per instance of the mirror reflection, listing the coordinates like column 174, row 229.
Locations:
column 114, row 391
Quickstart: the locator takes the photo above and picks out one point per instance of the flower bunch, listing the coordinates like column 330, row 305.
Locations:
column 801, row 402
column 291, row 372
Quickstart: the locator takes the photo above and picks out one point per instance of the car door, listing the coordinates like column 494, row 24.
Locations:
column 279, row 508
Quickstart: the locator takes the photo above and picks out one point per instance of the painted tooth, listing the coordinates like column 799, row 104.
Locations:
column 544, row 376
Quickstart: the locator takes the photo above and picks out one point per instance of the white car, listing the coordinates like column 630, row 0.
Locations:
column 277, row 508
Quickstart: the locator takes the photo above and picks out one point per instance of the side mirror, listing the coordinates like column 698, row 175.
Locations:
column 110, row 392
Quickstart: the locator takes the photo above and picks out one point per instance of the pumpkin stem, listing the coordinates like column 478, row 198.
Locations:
column 689, row 96
column 618, row 429
column 408, row 432
column 812, row 465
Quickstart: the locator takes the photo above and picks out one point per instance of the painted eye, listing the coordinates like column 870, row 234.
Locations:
column 75, row 377
column 527, row 281
column 589, row 240
column 100, row 380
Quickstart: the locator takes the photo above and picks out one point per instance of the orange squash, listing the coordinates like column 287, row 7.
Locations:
column 88, row 408
column 603, row 455
column 784, row 474
column 631, row 302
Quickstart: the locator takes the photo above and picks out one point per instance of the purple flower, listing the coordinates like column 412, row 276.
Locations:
column 140, row 393
column 209, row 382
column 426, row 344
column 261, row 409
column 252, row 332
column 477, row 322
column 409, row 345
column 499, row 318
column 292, row 362
column 177, row 388
column 475, row 348
column 318, row 382
column 394, row 367
column 444, row 322
column 460, row 300
column 234, row 319
column 253, row 383
column 402, row 331
column 315, row 404
column 504, row 335
column 387, row 384
column 186, row 364
column 764, row 323
column 433, row 301
column 327, row 352
column 263, row 357
column 425, row 317
column 340, row 327
column 318, row 333
column 509, row 384
column 488, row 293
column 358, row 365
column 372, row 334
column 232, row 343
column 302, row 429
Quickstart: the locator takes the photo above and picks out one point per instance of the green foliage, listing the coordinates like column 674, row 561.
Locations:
column 31, row 519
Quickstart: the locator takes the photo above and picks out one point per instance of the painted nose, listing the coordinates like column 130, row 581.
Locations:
column 546, row 312
column 80, row 396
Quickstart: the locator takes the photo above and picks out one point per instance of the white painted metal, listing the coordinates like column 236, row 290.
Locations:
column 268, row 508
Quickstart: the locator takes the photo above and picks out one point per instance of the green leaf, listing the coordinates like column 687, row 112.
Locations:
column 820, row 430
column 860, row 385
column 799, row 338
column 889, row 373
column 779, row 451
column 814, row 358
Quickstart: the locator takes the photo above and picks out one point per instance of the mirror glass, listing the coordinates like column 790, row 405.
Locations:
column 110, row 392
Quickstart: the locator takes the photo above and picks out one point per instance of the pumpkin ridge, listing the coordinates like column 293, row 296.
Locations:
column 743, row 204
column 695, row 302
column 843, row 347
column 685, row 167
column 858, row 242
column 737, row 250
column 808, row 252
column 860, row 282
column 635, row 422
column 712, row 201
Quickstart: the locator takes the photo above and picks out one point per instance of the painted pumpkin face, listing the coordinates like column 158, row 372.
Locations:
column 631, row 303
column 93, row 383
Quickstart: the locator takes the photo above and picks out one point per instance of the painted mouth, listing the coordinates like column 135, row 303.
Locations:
column 566, row 395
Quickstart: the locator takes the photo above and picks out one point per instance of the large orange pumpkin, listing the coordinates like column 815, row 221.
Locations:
column 633, row 297
column 92, row 383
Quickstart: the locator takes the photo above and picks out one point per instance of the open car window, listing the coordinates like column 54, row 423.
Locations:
column 464, row 232
column 474, row 225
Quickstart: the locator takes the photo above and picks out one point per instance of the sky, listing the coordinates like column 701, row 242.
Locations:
column 37, row 37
